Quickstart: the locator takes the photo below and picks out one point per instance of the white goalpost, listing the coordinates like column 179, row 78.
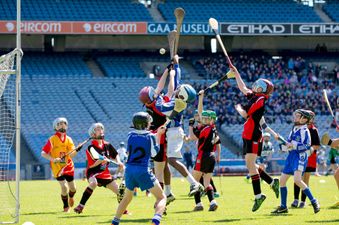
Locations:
column 10, row 110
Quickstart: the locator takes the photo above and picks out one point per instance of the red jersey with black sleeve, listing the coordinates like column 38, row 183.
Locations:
column 255, row 110
column 315, row 140
column 100, row 171
column 207, row 137
column 158, row 117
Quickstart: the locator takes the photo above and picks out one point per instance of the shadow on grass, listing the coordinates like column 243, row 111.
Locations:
column 182, row 212
column 324, row 221
column 40, row 213
column 141, row 221
column 80, row 216
column 223, row 221
column 278, row 214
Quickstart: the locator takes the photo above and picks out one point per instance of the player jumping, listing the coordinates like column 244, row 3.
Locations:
column 253, row 112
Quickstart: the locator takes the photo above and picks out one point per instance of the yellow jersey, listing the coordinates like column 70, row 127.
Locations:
column 58, row 148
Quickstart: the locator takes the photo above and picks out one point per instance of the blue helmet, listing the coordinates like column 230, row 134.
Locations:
column 266, row 86
column 187, row 93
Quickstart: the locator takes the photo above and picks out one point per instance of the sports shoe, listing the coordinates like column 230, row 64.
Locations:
column 302, row 205
column 275, row 187
column 295, row 203
column 195, row 188
column 79, row 209
column 258, row 202
column 71, row 202
column 213, row 207
column 170, row 198
column 198, row 208
column 280, row 209
column 216, row 195
column 316, row 206
column 66, row 210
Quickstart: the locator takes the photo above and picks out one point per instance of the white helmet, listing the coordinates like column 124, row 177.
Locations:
column 59, row 120
column 91, row 130
column 187, row 93
column 266, row 134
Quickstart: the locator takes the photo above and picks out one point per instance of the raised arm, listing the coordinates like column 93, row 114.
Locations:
column 240, row 82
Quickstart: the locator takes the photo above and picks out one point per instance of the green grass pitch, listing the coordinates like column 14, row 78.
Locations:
column 41, row 204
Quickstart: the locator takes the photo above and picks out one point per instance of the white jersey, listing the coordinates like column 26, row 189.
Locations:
column 122, row 154
column 267, row 149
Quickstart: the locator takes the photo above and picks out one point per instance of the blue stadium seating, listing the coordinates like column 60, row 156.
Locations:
column 241, row 11
column 54, row 65
column 76, row 10
column 332, row 10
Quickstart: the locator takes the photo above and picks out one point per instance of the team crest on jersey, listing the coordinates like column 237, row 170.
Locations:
column 198, row 161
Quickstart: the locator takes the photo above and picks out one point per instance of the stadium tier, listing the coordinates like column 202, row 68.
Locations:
column 241, row 11
column 76, row 10
column 332, row 10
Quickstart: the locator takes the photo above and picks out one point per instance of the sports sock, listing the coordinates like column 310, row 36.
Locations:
column 264, row 176
column 197, row 197
column 86, row 195
column 308, row 193
column 167, row 190
column 191, row 179
column 296, row 191
column 212, row 183
column 210, row 193
column 283, row 191
column 303, row 197
column 256, row 185
column 65, row 200
column 156, row 219
column 71, row 193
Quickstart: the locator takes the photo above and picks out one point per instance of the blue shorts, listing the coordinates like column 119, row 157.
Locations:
column 141, row 177
column 295, row 161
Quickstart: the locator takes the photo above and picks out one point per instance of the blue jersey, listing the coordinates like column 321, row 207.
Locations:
column 166, row 108
column 300, row 138
column 141, row 146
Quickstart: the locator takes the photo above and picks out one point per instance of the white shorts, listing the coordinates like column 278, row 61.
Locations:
column 175, row 141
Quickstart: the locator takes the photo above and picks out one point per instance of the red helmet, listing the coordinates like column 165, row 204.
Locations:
column 146, row 94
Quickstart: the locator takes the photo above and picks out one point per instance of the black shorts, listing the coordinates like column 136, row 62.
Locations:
column 103, row 182
column 250, row 146
column 310, row 169
column 161, row 156
column 205, row 162
column 68, row 178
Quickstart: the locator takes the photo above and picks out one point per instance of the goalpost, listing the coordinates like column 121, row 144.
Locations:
column 10, row 110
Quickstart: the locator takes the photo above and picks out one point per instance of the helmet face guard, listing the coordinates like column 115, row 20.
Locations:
column 57, row 122
column 266, row 86
column 92, row 130
column 303, row 114
column 187, row 93
column 141, row 120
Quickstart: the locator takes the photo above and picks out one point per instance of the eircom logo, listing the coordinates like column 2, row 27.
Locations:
column 10, row 26
column 87, row 27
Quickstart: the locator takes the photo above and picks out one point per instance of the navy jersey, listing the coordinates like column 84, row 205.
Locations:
column 141, row 146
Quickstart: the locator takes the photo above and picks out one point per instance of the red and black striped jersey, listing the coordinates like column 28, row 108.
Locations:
column 207, row 138
column 255, row 110
column 101, row 170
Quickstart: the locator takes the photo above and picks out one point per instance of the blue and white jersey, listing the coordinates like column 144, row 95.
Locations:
column 166, row 108
column 267, row 149
column 177, row 76
column 300, row 138
column 141, row 145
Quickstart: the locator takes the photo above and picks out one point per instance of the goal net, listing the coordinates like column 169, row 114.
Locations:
column 8, row 200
